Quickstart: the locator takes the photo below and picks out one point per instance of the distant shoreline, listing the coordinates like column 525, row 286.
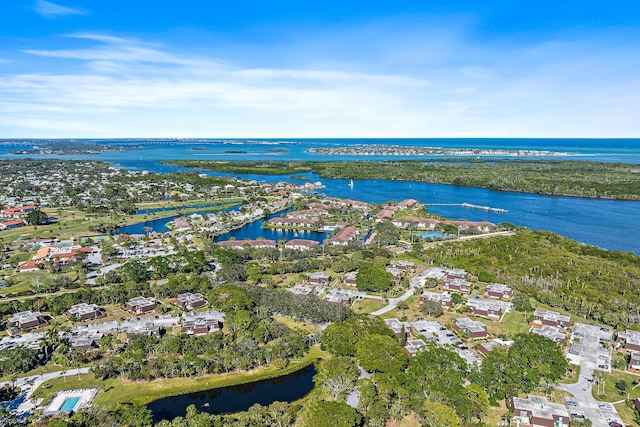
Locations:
column 397, row 150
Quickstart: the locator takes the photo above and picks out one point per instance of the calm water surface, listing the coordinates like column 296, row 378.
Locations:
column 227, row 400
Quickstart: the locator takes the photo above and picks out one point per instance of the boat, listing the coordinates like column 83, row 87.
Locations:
column 351, row 183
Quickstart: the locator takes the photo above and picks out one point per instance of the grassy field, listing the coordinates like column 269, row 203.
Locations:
column 367, row 306
column 115, row 391
column 611, row 393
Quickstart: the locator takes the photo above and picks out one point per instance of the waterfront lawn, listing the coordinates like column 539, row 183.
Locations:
column 116, row 391
column 367, row 305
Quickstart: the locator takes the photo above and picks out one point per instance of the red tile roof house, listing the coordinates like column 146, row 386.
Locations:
column 349, row 278
column 189, row 301
column 551, row 318
column 6, row 225
column 241, row 244
column 140, row 305
column 407, row 203
column 26, row 320
column 634, row 363
column 536, row 411
column 474, row 329
column 83, row 311
column 629, row 340
column 498, row 291
column 18, row 212
column 28, row 266
column 444, row 299
column 344, row 236
column 301, row 244
column 319, row 278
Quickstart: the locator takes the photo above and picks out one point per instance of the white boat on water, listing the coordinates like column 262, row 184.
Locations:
column 351, row 183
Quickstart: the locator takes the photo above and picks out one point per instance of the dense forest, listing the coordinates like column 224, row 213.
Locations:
column 591, row 282
column 554, row 177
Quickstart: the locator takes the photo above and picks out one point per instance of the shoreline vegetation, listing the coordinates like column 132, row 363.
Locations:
column 398, row 150
column 114, row 392
column 597, row 180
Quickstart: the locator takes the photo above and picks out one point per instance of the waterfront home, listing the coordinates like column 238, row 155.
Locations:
column 536, row 411
column 319, row 278
column 83, row 311
column 308, row 213
column 26, row 320
column 551, row 318
column 445, row 299
column 140, row 305
column 349, row 278
column 385, row 213
column 181, row 224
column 498, row 291
column 344, row 236
column 550, row 332
column 416, row 223
column 189, row 301
column 293, row 222
column 474, row 329
column 628, row 340
column 481, row 227
column 407, row 203
column 301, row 244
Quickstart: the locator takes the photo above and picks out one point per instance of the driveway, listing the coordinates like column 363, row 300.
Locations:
column 393, row 303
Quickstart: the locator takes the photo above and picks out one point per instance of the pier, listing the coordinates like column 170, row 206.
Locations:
column 471, row 206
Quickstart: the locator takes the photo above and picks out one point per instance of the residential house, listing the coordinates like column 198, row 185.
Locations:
column 202, row 323
column 628, row 340
column 444, row 298
column 28, row 266
column 498, row 291
column 319, row 278
column 83, row 311
column 536, row 411
column 480, row 227
column 349, row 278
column 6, row 225
column 189, row 301
column 293, row 222
column 551, row 318
column 413, row 347
column 396, row 326
column 407, row 266
column 488, row 308
column 634, row 363
column 344, row 236
column 140, row 305
column 241, row 244
column 416, row 223
column 26, row 320
column 551, row 332
column 458, row 285
column 407, row 203
column 84, row 339
column 488, row 346
column 301, row 244
column 474, row 329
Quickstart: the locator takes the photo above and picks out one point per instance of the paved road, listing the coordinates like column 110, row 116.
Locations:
column 393, row 303
column 30, row 384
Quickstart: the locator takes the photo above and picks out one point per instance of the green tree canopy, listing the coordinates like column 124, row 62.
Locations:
column 374, row 279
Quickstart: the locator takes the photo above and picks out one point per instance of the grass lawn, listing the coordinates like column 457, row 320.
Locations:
column 367, row 306
column 115, row 391
column 296, row 324
column 512, row 323
column 573, row 373
column 611, row 393
column 627, row 414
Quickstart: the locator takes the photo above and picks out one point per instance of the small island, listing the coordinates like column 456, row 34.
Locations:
column 70, row 147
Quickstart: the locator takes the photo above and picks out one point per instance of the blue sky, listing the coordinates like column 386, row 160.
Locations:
column 113, row 68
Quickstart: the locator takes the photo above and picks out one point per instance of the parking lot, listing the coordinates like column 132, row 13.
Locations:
column 434, row 331
column 591, row 348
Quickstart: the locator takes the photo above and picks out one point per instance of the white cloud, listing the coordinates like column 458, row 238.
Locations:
column 51, row 10
column 129, row 88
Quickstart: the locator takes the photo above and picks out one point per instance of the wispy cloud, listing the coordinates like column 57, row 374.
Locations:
column 51, row 10
column 124, row 87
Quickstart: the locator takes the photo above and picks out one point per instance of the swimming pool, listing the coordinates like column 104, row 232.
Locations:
column 69, row 404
